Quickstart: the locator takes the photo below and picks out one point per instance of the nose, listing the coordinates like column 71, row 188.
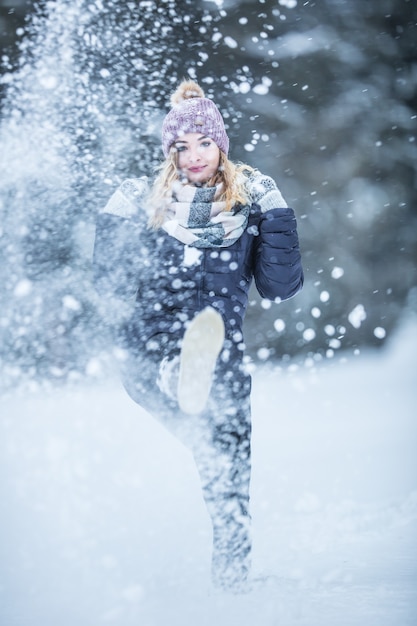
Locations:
column 194, row 155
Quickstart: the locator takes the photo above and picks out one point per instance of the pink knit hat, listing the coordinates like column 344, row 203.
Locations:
column 193, row 113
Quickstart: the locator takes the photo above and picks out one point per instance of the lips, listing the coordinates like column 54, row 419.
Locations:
column 195, row 170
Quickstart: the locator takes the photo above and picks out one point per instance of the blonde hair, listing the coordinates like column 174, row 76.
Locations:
column 232, row 175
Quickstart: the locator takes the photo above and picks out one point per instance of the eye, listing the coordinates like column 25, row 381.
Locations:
column 180, row 148
column 206, row 143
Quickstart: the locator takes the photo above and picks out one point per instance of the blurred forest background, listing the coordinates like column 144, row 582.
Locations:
column 321, row 95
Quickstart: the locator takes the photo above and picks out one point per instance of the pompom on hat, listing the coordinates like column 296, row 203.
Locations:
column 193, row 113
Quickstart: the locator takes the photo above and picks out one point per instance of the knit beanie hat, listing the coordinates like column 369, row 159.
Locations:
column 193, row 113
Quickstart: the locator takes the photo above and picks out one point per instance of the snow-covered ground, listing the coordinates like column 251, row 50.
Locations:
column 103, row 522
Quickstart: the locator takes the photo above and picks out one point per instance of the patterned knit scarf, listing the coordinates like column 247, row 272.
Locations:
column 197, row 218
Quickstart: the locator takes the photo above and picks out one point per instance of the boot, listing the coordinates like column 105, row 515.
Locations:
column 231, row 560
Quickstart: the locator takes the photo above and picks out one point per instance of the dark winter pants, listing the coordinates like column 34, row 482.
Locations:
column 219, row 440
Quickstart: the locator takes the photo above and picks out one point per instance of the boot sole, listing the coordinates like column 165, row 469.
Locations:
column 202, row 343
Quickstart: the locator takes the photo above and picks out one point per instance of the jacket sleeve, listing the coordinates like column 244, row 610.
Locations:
column 115, row 257
column 278, row 272
column 117, row 250
column 277, row 266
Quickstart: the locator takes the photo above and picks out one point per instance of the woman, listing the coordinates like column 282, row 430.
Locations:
column 186, row 250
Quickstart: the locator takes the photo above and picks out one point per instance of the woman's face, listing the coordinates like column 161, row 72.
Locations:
column 198, row 157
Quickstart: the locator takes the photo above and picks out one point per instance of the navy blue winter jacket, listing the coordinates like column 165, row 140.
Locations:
column 170, row 282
